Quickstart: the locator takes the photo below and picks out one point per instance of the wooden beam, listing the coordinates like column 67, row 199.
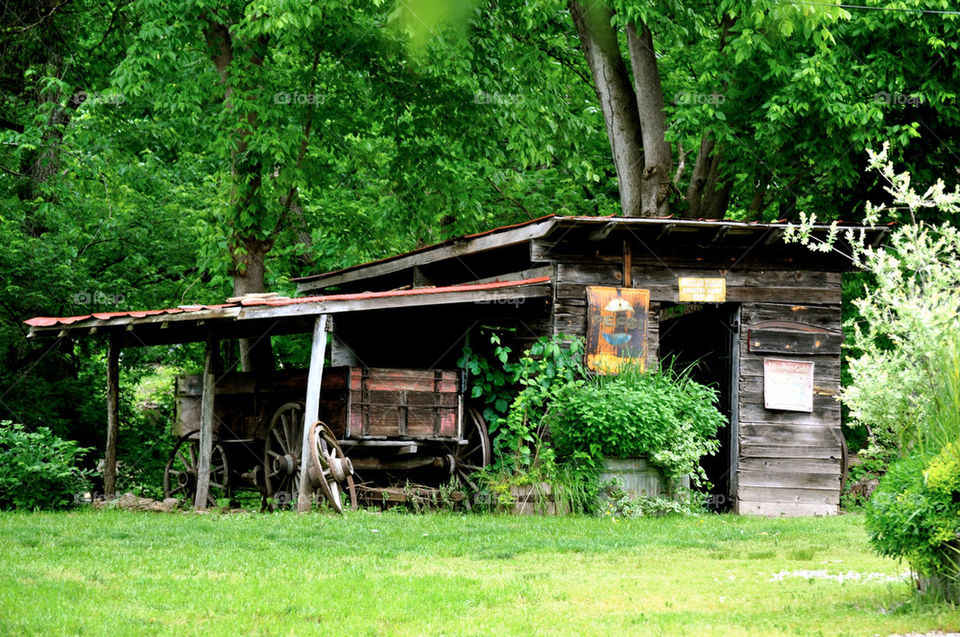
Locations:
column 602, row 232
column 206, row 427
column 627, row 263
column 773, row 236
column 334, row 306
column 529, row 273
column 667, row 229
column 719, row 235
column 233, row 321
column 428, row 255
column 113, row 417
column 733, row 483
column 311, row 411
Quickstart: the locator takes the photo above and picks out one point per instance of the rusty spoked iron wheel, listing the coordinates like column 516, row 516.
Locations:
column 329, row 467
column 180, row 473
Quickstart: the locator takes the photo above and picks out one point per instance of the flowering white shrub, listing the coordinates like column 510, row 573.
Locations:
column 909, row 311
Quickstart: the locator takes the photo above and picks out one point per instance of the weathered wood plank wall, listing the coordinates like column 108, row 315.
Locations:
column 789, row 462
column 570, row 301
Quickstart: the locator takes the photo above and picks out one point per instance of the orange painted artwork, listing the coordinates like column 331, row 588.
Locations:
column 616, row 328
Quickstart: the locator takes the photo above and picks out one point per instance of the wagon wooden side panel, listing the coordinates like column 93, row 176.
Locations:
column 403, row 403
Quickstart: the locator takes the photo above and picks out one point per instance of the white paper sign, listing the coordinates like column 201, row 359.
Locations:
column 787, row 384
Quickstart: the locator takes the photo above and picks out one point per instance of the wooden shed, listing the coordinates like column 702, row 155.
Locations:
column 762, row 318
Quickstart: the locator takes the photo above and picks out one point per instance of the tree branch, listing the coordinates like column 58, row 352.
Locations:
column 510, row 199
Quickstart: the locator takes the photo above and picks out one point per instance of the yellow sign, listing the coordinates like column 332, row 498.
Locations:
column 698, row 290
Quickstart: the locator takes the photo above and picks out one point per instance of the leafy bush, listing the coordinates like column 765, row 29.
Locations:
column 915, row 515
column 38, row 470
column 517, row 393
column 660, row 414
column 619, row 503
column 915, row 512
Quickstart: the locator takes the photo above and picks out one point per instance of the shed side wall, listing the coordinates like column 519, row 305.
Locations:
column 789, row 462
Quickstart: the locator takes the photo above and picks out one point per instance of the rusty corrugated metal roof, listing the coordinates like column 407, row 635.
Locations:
column 46, row 321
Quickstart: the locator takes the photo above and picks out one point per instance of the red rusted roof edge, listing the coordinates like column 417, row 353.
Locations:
column 47, row 321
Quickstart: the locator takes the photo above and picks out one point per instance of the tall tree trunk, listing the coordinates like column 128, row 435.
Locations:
column 248, row 278
column 44, row 162
column 716, row 194
column 617, row 99
column 762, row 184
column 700, row 175
column 248, row 253
column 657, row 159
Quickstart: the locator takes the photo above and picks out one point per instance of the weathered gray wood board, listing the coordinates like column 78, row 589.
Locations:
column 206, row 427
column 790, row 461
column 113, row 418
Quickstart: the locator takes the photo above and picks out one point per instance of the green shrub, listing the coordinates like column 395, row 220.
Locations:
column 660, row 414
column 517, row 394
column 915, row 514
column 619, row 504
column 38, row 470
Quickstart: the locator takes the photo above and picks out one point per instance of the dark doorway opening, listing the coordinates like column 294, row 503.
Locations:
column 704, row 336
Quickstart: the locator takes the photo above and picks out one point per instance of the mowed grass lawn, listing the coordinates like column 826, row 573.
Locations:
column 121, row 573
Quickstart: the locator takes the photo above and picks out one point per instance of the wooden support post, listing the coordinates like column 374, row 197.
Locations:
column 113, row 417
column 311, row 411
column 627, row 263
column 206, row 427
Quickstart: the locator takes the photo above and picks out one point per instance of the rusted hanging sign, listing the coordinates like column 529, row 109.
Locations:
column 616, row 328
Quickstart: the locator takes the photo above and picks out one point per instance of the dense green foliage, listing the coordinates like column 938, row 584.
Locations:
column 904, row 379
column 154, row 153
column 561, row 422
column 517, row 392
column 39, row 470
column 660, row 414
column 915, row 514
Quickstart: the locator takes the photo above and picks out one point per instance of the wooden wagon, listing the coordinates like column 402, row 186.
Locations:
column 386, row 425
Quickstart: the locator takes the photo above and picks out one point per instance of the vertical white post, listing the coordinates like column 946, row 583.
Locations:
column 311, row 411
column 206, row 428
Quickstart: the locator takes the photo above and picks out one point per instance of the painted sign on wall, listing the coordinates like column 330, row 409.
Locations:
column 616, row 328
column 700, row 290
column 787, row 384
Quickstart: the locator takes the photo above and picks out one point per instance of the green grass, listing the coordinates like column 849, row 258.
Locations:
column 119, row 573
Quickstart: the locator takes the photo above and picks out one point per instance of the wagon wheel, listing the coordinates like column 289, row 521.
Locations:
column 329, row 466
column 476, row 454
column 281, row 454
column 180, row 474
